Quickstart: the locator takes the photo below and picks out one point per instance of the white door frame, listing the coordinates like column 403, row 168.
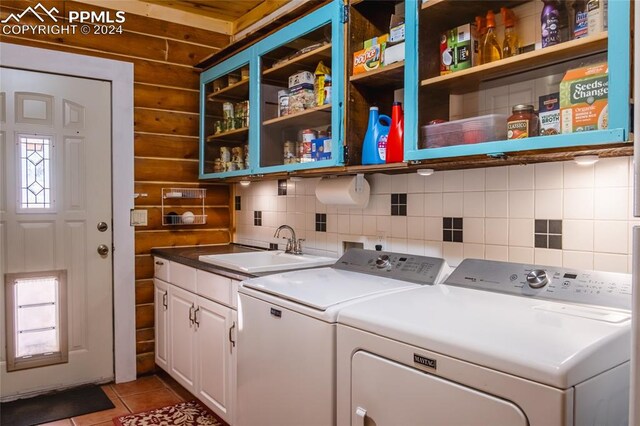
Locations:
column 120, row 74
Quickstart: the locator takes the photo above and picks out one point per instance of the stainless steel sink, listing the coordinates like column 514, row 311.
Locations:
column 266, row 261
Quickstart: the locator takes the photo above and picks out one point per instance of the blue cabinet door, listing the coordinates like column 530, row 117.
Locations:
column 224, row 140
column 281, row 145
column 427, row 94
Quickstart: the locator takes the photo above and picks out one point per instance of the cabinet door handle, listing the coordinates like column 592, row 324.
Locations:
column 361, row 414
column 164, row 300
column 195, row 316
column 191, row 309
column 233, row 342
column 159, row 263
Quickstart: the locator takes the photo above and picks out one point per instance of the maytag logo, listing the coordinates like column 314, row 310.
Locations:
column 427, row 362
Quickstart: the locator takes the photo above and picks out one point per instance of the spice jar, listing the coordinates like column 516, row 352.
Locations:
column 523, row 123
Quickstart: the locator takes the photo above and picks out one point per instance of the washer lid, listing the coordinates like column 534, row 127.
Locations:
column 558, row 344
column 323, row 287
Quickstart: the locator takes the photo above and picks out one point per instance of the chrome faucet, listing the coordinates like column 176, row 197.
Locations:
column 294, row 246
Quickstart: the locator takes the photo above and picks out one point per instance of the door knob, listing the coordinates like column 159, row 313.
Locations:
column 102, row 226
column 103, row 250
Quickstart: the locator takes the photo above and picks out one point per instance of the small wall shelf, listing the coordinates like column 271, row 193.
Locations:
column 170, row 201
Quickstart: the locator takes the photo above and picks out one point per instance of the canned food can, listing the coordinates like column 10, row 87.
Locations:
column 225, row 154
column 218, row 166
column 231, row 166
column 217, row 127
column 308, row 135
column 305, row 148
column 289, row 150
column 227, row 110
column 283, row 103
column 237, row 153
column 239, row 164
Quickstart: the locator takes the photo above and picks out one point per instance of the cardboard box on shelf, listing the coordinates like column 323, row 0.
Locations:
column 367, row 59
column 459, row 49
column 301, row 77
column 394, row 54
column 549, row 113
column 584, row 94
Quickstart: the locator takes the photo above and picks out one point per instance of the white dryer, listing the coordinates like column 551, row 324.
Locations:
column 287, row 332
column 498, row 344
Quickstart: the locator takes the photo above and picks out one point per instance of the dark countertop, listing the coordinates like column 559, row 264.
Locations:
column 189, row 256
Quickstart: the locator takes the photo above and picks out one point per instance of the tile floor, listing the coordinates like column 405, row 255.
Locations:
column 144, row 394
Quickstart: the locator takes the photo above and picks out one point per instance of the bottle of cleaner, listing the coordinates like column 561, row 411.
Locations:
column 550, row 21
column 595, row 16
column 374, row 146
column 491, row 50
column 481, row 26
column 511, row 43
column 563, row 22
column 395, row 141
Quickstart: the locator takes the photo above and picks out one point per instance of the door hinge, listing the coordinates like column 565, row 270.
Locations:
column 345, row 154
column 345, row 13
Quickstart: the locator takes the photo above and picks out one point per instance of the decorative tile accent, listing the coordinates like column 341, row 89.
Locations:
column 238, row 202
column 321, row 222
column 398, row 204
column 548, row 234
column 282, row 187
column 452, row 229
column 257, row 218
column 273, row 246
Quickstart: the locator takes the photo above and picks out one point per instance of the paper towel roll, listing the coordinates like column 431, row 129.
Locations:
column 342, row 191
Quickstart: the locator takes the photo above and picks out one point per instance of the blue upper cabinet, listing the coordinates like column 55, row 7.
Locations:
column 300, row 94
column 226, row 96
column 464, row 104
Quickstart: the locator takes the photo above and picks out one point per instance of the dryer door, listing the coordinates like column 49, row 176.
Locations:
column 385, row 393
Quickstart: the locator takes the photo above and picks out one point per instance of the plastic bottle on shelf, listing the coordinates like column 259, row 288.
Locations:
column 580, row 21
column 395, row 141
column 481, row 26
column 491, row 50
column 550, row 20
column 374, row 146
column 511, row 42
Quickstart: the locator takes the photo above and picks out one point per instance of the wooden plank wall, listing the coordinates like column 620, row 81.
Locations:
column 166, row 132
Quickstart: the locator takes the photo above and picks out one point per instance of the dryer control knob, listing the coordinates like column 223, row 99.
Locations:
column 537, row 278
column 382, row 261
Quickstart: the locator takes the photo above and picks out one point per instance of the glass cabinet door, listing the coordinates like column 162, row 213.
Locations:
column 224, row 122
column 556, row 82
column 300, row 93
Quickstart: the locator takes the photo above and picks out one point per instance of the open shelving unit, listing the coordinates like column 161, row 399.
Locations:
column 237, row 135
column 235, row 92
column 312, row 117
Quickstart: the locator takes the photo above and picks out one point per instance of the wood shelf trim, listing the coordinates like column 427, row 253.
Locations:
column 228, row 92
column 223, row 135
column 431, row 3
column 293, row 117
column 316, row 52
column 389, row 72
column 530, row 60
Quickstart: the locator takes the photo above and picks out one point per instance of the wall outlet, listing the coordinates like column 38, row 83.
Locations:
column 138, row 217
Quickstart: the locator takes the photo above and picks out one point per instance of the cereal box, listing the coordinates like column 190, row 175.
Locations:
column 549, row 113
column 584, row 98
column 301, row 77
column 459, row 49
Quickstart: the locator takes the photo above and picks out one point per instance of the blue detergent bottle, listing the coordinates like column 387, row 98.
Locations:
column 374, row 145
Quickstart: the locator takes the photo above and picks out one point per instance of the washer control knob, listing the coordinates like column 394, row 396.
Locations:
column 382, row 261
column 537, row 278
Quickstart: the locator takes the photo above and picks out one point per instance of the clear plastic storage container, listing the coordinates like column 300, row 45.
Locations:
column 485, row 128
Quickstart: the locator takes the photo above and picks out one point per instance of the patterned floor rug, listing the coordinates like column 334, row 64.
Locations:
column 184, row 414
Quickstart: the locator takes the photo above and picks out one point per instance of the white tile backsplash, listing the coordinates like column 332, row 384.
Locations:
column 498, row 205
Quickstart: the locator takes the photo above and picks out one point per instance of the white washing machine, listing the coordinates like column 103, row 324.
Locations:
column 287, row 332
column 498, row 344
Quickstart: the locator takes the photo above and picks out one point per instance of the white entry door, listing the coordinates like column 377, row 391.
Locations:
column 55, row 191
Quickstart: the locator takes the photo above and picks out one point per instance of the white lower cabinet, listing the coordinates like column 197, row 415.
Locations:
column 215, row 356
column 195, row 343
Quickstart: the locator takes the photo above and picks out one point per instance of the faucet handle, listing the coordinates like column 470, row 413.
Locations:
column 298, row 246
column 290, row 245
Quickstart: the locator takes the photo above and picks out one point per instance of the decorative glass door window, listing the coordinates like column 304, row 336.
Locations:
column 35, row 180
column 36, row 319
